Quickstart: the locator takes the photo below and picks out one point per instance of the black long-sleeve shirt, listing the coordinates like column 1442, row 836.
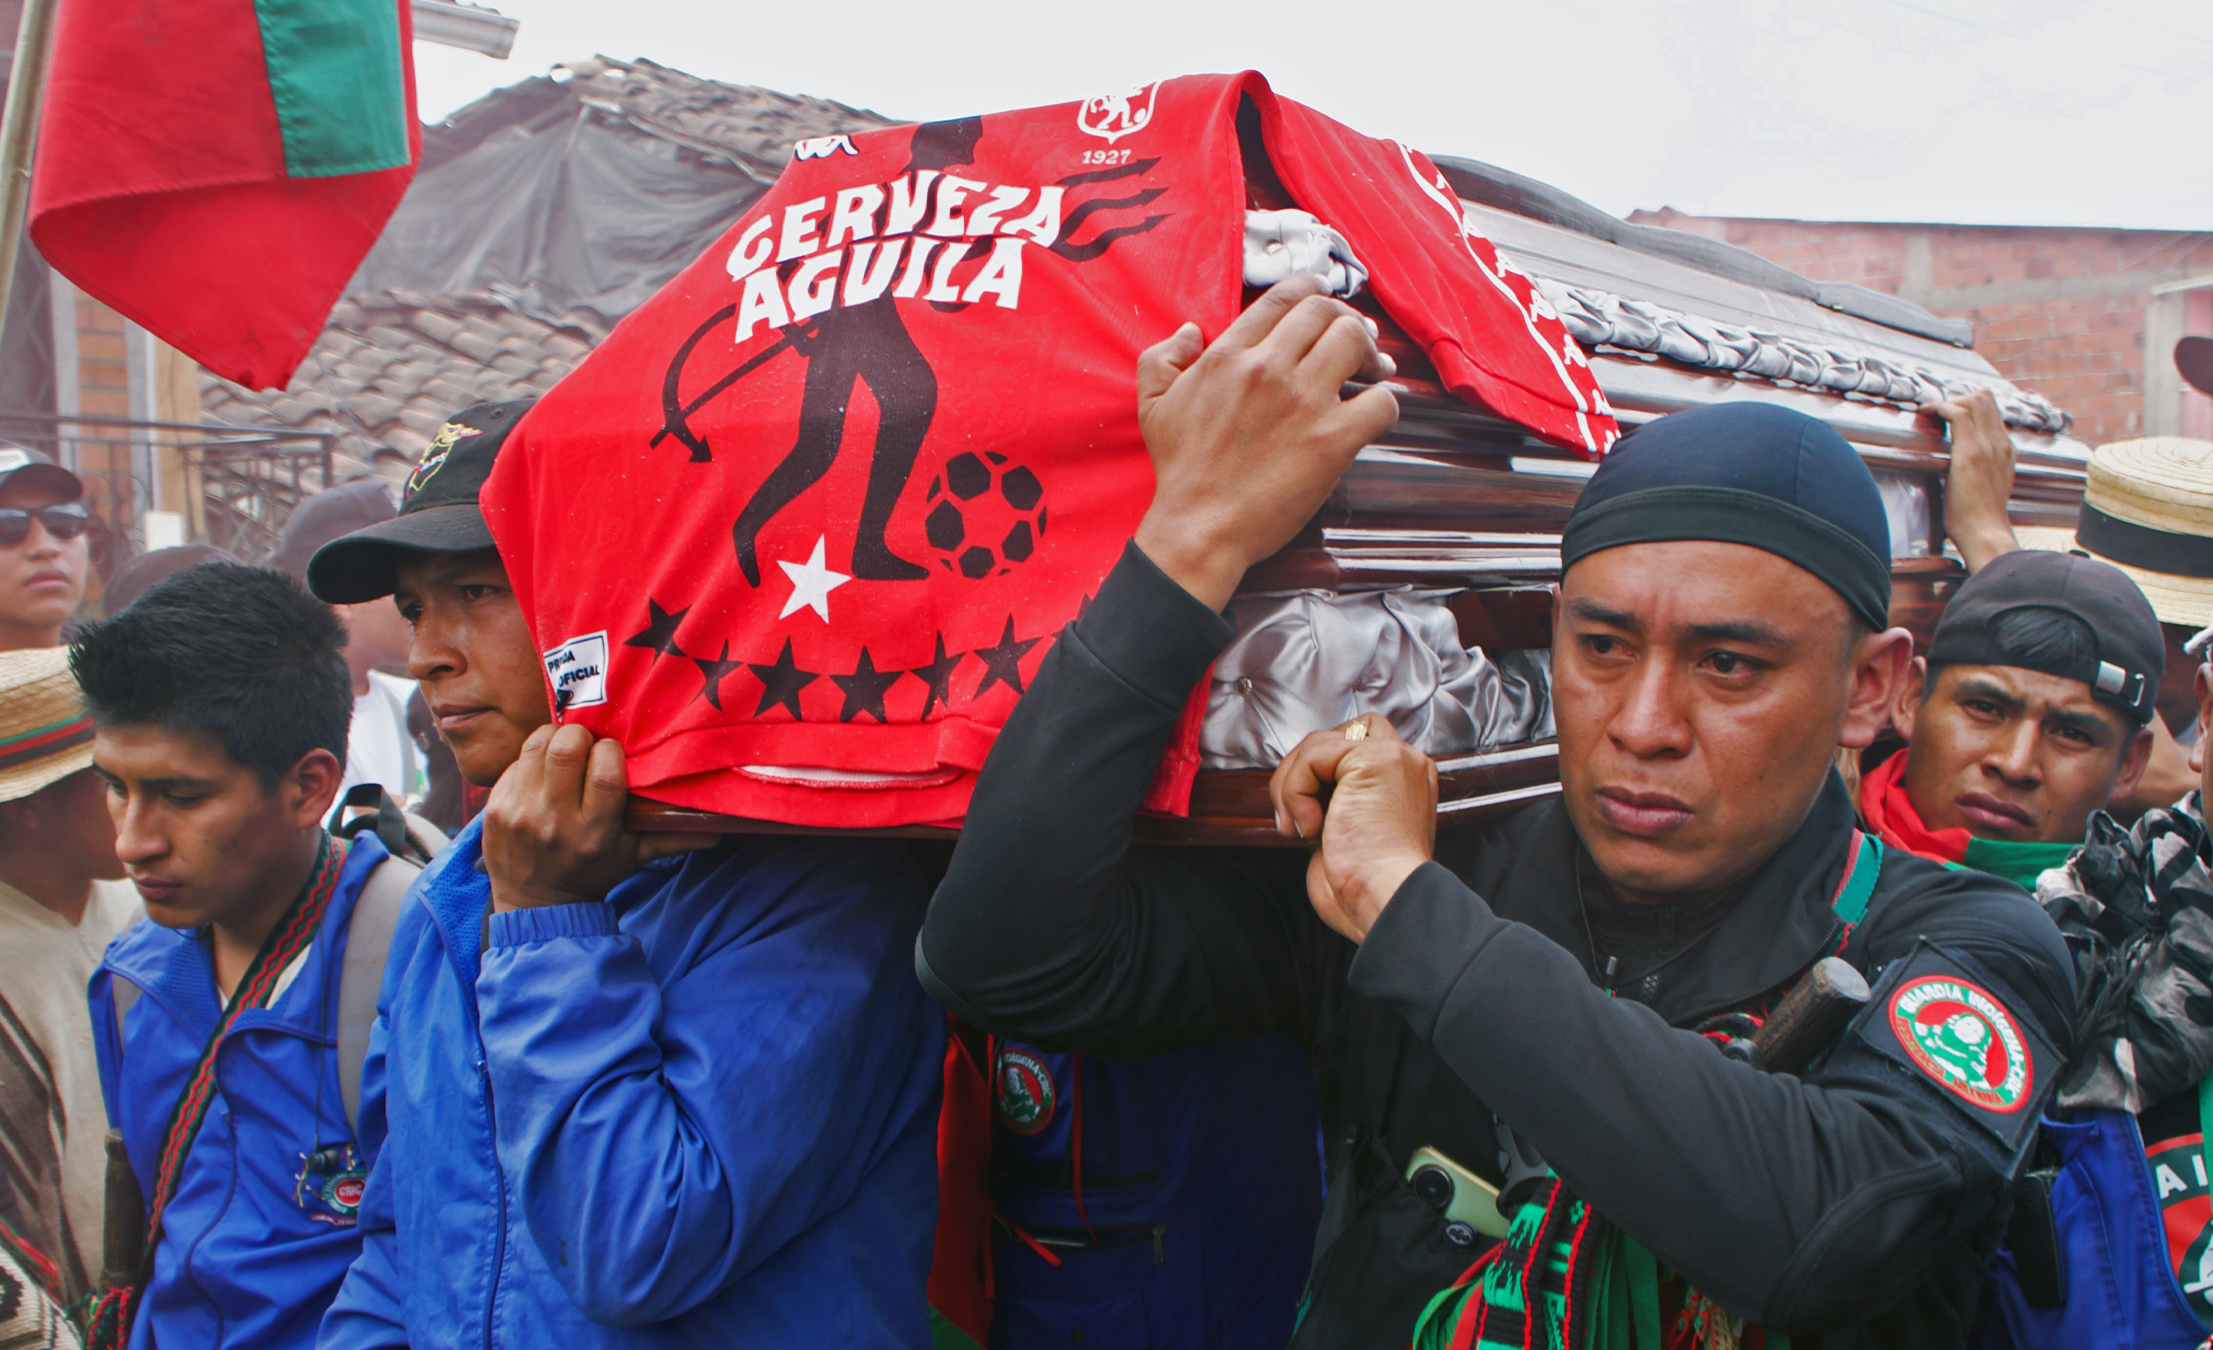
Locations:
column 1857, row 1204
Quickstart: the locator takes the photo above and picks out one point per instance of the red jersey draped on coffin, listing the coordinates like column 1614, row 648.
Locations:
column 798, row 533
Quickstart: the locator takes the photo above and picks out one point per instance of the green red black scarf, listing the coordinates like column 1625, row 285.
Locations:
column 1890, row 813
column 1566, row 1279
column 106, row 1316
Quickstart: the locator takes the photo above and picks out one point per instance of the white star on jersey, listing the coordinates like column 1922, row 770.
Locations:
column 811, row 584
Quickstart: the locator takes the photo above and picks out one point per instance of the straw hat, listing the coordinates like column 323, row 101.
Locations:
column 45, row 731
column 2148, row 510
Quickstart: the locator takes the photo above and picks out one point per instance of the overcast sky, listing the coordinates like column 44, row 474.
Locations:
column 2044, row 112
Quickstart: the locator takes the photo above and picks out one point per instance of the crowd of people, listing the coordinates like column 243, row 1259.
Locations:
column 286, row 1066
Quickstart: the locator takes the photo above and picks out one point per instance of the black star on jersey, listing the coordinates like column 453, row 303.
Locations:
column 659, row 634
column 939, row 676
column 1003, row 661
column 712, row 672
column 864, row 688
column 782, row 683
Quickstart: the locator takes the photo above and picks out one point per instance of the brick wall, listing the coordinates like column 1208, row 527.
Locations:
column 2088, row 318
column 104, row 389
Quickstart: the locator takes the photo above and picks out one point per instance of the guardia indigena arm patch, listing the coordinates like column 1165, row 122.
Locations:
column 1942, row 1020
column 1964, row 1039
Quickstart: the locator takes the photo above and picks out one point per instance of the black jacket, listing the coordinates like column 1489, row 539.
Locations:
column 1861, row 1200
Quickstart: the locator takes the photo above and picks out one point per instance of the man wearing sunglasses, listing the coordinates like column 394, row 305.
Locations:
column 44, row 554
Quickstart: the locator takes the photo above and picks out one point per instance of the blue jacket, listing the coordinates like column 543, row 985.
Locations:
column 2120, row 1285
column 1201, row 1189
column 262, row 1226
column 700, row 1112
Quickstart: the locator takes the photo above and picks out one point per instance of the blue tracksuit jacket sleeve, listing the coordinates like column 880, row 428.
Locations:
column 367, row 1314
column 107, row 1043
column 669, row 1124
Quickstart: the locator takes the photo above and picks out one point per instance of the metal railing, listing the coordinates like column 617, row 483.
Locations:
column 233, row 486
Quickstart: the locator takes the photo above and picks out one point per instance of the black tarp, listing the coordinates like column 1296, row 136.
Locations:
column 566, row 212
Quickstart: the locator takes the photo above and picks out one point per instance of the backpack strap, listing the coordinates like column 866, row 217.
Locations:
column 367, row 806
column 424, row 840
column 376, row 916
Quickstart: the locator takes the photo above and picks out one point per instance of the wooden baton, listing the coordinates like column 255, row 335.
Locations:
column 1804, row 1023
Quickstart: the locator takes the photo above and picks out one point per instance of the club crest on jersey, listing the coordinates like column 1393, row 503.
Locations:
column 333, row 1178
column 1113, row 116
column 1963, row 1038
column 434, row 455
column 1022, row 1091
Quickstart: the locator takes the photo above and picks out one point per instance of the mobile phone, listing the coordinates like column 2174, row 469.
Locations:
column 1456, row 1193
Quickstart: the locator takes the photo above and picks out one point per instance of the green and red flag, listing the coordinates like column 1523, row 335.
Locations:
column 216, row 170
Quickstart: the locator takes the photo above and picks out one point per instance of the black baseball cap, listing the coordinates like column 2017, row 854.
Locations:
column 438, row 509
column 36, row 468
column 2131, row 651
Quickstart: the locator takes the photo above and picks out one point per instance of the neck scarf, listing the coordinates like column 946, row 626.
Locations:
column 1890, row 813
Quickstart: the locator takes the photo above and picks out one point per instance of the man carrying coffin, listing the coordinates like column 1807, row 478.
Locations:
column 1522, row 1007
column 621, row 1091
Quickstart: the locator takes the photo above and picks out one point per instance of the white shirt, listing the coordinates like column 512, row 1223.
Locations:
column 378, row 748
column 47, row 1064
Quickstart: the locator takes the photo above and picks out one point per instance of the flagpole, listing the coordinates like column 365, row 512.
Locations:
column 18, row 129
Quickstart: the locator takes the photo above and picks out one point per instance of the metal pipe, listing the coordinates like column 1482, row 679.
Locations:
column 469, row 27
column 18, row 130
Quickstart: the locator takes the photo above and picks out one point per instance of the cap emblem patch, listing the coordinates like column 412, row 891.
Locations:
column 1963, row 1038
column 434, row 456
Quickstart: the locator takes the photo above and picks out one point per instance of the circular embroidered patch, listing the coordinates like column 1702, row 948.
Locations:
column 343, row 1192
column 1022, row 1091
column 1964, row 1039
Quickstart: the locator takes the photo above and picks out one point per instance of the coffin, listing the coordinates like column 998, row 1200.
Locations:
column 1459, row 501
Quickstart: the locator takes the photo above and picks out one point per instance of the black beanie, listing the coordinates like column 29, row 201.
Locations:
column 1744, row 473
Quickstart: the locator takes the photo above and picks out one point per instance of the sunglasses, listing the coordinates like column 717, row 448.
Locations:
column 64, row 522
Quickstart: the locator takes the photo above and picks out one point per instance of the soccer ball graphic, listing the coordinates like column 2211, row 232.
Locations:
column 984, row 516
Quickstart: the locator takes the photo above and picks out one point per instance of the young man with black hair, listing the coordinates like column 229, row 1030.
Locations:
column 2029, row 714
column 221, row 700
column 626, row 1090
column 1528, row 1001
